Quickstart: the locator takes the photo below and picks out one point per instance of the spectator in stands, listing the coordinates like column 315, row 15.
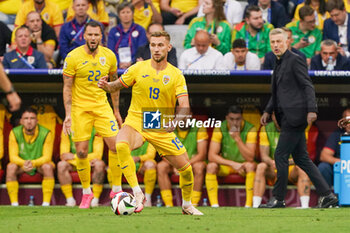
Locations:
column 270, row 58
column 49, row 11
column 8, row 10
column 240, row 58
column 195, row 141
column 63, row 4
column 232, row 9
column 232, row 150
column 254, row 31
column 71, row 35
column 202, row 56
column 43, row 37
column 68, row 163
column 5, row 39
column 307, row 37
column 329, row 48
column 96, row 11
column 125, row 38
column 214, row 22
column 320, row 14
column 146, row 165
column 146, row 12
column 330, row 153
column 144, row 53
column 24, row 56
column 336, row 28
column 30, row 151
column 179, row 11
column 266, row 170
column 273, row 12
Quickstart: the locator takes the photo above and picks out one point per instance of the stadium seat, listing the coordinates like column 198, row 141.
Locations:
column 312, row 142
column 2, row 173
column 177, row 35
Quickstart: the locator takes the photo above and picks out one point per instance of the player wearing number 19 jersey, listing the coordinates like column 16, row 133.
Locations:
column 86, row 105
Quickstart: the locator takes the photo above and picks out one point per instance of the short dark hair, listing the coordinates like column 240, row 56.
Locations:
column 235, row 109
column 239, row 43
column 335, row 4
column 250, row 9
column 93, row 24
column 30, row 110
column 306, row 11
column 125, row 4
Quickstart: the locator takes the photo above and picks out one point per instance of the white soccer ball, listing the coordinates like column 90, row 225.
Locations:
column 123, row 203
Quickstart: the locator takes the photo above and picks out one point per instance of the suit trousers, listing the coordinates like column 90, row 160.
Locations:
column 292, row 141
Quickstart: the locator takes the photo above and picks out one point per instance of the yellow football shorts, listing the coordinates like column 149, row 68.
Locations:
column 271, row 182
column 102, row 118
column 165, row 143
column 225, row 170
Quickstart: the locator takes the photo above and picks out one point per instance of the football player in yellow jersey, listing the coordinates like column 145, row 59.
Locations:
column 87, row 106
column 157, row 85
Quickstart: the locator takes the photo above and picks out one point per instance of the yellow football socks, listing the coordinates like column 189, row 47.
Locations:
column 84, row 172
column 196, row 197
column 127, row 164
column 212, row 188
column 47, row 186
column 249, row 185
column 97, row 190
column 186, row 182
column 116, row 172
column 167, row 197
column 12, row 189
column 150, row 180
column 67, row 190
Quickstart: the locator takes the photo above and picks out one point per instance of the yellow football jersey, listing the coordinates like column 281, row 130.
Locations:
column 101, row 15
column 153, row 91
column 86, row 71
column 51, row 14
column 184, row 5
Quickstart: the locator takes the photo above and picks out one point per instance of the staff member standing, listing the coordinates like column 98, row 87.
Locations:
column 294, row 103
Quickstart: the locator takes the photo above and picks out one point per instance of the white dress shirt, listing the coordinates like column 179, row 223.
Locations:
column 252, row 62
column 191, row 59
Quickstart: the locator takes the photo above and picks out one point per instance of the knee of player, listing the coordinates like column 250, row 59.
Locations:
column 11, row 169
column 62, row 166
column 250, row 166
column 261, row 168
column 122, row 147
column 47, row 168
column 149, row 165
column 199, row 168
column 212, row 168
column 163, row 167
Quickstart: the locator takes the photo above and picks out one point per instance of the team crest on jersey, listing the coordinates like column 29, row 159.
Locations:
column 31, row 59
column 46, row 16
column 219, row 29
column 146, row 12
column 166, row 79
column 103, row 61
column 312, row 39
column 73, row 33
column 135, row 34
column 65, row 65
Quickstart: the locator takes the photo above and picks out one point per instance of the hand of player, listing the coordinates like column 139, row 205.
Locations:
column 264, row 118
column 311, row 117
column 67, row 156
column 92, row 162
column 14, row 101
column 27, row 166
column 67, row 123
column 236, row 166
column 235, row 132
column 176, row 12
column 103, row 84
column 343, row 122
column 180, row 20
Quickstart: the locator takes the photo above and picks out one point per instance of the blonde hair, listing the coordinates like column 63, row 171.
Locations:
column 161, row 34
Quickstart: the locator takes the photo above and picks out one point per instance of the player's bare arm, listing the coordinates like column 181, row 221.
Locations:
column 109, row 87
column 115, row 100
column 202, row 152
column 67, row 101
column 214, row 156
column 182, row 111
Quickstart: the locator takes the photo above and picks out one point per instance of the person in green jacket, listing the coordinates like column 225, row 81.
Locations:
column 232, row 150
column 213, row 22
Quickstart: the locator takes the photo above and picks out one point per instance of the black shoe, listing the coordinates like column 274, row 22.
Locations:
column 273, row 203
column 328, row 201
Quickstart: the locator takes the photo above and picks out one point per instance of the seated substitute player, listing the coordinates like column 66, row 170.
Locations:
column 269, row 136
column 195, row 141
column 158, row 85
column 68, row 163
column 87, row 106
column 232, row 150
column 30, row 151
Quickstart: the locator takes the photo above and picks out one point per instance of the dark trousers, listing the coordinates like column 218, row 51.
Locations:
column 169, row 18
column 292, row 141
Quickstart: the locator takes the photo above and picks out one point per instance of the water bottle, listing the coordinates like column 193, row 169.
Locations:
column 330, row 65
column 31, row 200
column 159, row 201
column 205, row 202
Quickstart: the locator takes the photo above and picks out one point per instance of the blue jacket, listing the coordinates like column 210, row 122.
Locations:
column 342, row 63
column 330, row 30
column 279, row 18
column 133, row 38
column 270, row 59
column 33, row 57
column 69, row 39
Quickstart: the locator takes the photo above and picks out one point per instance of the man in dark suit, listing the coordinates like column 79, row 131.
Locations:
column 337, row 27
column 329, row 49
column 294, row 103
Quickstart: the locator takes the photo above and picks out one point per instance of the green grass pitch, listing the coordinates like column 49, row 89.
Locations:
column 165, row 220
